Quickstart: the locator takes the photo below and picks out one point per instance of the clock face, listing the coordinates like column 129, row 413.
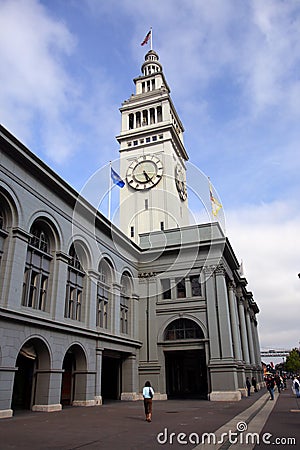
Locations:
column 144, row 172
column 180, row 182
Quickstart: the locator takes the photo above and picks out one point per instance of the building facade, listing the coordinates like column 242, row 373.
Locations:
column 89, row 311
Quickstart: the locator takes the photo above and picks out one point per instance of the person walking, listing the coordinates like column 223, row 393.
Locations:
column 270, row 386
column 148, row 394
column 254, row 384
column 296, row 387
column 248, row 386
column 278, row 382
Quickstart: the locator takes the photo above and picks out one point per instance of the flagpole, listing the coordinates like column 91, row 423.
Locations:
column 151, row 39
column 109, row 190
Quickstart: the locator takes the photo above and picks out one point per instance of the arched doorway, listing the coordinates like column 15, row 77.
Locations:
column 73, row 386
column 185, row 362
column 111, row 375
column 31, row 383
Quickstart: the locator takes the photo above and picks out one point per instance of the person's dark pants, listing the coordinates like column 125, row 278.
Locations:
column 271, row 391
column 148, row 408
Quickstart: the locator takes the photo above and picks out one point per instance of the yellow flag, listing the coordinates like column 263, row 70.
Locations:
column 215, row 204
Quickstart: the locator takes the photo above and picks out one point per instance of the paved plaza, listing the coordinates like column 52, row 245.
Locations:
column 176, row 424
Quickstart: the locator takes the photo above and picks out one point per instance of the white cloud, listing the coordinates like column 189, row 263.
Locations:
column 272, row 58
column 34, row 83
column 267, row 238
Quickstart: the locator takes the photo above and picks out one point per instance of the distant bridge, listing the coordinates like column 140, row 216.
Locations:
column 274, row 353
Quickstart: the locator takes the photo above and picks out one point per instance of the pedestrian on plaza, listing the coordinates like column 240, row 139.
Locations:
column 278, row 382
column 284, row 381
column 270, row 386
column 254, row 384
column 248, row 386
column 296, row 387
column 148, row 394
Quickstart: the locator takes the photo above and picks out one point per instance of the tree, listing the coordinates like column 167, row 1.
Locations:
column 293, row 361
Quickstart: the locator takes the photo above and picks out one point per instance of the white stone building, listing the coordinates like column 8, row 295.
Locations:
column 90, row 312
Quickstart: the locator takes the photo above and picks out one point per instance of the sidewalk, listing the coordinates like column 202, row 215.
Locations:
column 284, row 422
column 121, row 424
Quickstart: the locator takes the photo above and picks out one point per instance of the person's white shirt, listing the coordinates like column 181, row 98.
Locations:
column 146, row 392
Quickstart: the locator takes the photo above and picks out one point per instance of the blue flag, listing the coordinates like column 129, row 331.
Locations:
column 116, row 178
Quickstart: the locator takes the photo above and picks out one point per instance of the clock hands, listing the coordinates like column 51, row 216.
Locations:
column 147, row 176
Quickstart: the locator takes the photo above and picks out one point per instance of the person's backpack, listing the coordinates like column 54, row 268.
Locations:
column 150, row 392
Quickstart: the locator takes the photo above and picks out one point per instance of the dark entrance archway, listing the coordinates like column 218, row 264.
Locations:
column 186, row 374
column 111, row 376
column 185, row 362
column 31, row 383
column 69, row 367
column 22, row 391
column 74, row 378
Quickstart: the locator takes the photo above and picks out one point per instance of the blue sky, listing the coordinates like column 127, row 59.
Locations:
column 233, row 69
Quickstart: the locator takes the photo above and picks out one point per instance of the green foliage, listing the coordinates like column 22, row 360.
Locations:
column 293, row 361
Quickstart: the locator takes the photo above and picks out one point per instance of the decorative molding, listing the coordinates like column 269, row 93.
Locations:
column 231, row 285
column 147, row 274
column 21, row 234
column 61, row 256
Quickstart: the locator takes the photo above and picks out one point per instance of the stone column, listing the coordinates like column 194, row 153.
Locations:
column 234, row 322
column 7, row 375
column 47, row 397
column 91, row 297
column 115, row 308
column 15, row 267
column 98, row 393
column 212, row 316
column 224, row 316
column 257, row 352
column 129, row 379
column 59, row 300
column 149, row 363
column 222, row 367
column 173, row 289
column 188, row 287
column 243, row 331
column 250, row 337
column 256, row 340
column 134, row 317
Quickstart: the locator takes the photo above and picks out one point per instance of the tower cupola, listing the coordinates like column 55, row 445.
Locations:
column 151, row 64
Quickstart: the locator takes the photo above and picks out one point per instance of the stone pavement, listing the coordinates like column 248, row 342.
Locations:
column 122, row 425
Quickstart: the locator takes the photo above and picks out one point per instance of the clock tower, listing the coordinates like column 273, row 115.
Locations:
column 152, row 157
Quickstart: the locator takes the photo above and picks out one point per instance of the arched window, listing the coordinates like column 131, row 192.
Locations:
column 104, row 294
column 138, row 119
column 37, row 269
column 145, row 117
column 125, row 302
column 131, row 121
column 39, row 239
column 159, row 114
column 183, row 329
column 74, row 288
column 152, row 116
